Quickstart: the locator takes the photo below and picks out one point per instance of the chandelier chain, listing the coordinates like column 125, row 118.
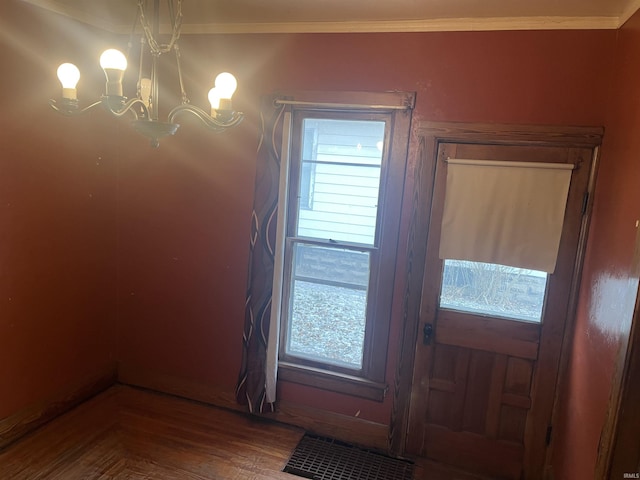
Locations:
column 175, row 11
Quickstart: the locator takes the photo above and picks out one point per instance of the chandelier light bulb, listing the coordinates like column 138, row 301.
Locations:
column 145, row 90
column 114, row 63
column 113, row 59
column 214, row 100
column 226, row 85
column 69, row 75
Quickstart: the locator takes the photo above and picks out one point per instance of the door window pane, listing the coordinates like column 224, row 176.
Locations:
column 328, row 305
column 491, row 289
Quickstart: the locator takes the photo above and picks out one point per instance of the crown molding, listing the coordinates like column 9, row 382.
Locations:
column 425, row 25
column 429, row 25
column 632, row 8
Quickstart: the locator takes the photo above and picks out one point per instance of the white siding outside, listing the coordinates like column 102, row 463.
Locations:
column 344, row 164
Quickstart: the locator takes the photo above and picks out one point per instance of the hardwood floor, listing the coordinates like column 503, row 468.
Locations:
column 133, row 434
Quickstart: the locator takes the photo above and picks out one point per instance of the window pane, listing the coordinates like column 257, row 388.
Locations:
column 340, row 179
column 491, row 289
column 328, row 305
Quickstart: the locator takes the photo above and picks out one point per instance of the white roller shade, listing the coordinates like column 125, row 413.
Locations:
column 509, row 213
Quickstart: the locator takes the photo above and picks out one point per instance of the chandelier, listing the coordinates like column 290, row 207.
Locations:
column 144, row 106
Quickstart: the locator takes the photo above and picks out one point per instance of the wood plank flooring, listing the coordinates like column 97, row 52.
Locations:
column 131, row 434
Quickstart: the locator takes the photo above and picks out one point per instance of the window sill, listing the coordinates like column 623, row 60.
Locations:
column 333, row 381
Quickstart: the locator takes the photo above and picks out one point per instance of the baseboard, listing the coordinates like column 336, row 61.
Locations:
column 335, row 425
column 178, row 386
column 28, row 419
column 322, row 422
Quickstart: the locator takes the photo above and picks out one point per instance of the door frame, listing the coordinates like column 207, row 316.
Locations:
column 417, row 208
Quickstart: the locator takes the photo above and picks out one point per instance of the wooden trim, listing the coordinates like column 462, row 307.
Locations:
column 335, row 425
column 498, row 134
column 349, row 100
column 333, row 381
column 546, row 372
column 343, row 427
column 508, row 337
column 629, row 11
column 425, row 296
column 492, row 426
column 461, row 371
column 420, row 25
column 180, row 387
column 418, row 204
column 573, row 302
column 28, row 419
column 441, row 385
column 360, row 26
column 514, row 400
column 475, row 450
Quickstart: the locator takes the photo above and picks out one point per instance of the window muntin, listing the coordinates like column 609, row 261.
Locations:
column 492, row 289
column 331, row 249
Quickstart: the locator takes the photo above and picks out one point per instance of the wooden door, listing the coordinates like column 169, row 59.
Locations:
column 483, row 386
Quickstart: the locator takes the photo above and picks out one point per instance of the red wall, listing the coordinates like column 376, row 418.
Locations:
column 184, row 209
column 609, row 287
column 57, row 221
column 112, row 250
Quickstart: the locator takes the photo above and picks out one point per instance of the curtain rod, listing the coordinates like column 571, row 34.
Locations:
column 280, row 101
column 497, row 163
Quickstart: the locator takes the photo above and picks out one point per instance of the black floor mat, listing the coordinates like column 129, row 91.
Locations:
column 321, row 458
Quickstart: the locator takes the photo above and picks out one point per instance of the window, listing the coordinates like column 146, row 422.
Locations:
column 331, row 241
column 495, row 215
column 492, row 289
column 344, row 192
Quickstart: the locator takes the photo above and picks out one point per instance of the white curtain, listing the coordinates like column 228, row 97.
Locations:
column 509, row 213
column 278, row 268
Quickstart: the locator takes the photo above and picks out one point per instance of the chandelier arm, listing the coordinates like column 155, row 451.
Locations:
column 210, row 122
column 70, row 109
column 183, row 92
column 125, row 107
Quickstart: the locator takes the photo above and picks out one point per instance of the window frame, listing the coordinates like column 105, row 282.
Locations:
column 369, row 381
column 306, row 191
column 292, row 239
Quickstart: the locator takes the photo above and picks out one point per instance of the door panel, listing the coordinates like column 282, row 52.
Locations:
column 486, row 333
column 483, row 386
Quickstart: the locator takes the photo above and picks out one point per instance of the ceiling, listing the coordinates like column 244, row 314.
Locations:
column 294, row 16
